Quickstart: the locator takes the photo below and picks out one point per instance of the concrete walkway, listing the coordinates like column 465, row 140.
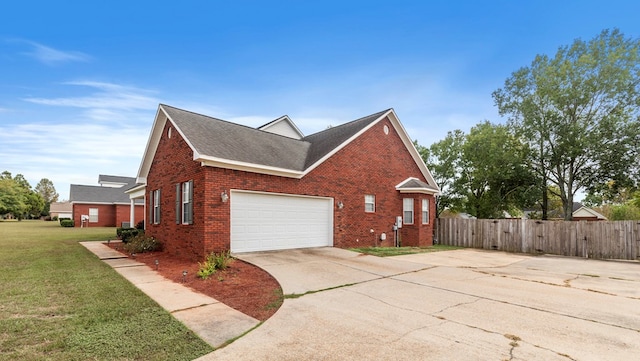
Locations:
column 212, row 320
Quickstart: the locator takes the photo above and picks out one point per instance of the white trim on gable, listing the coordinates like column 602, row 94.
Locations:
column 248, row 167
column 423, row 190
column 162, row 117
column 152, row 144
column 587, row 212
column 405, row 140
column 289, row 129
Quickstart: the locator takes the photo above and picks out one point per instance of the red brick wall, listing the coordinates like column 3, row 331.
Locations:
column 109, row 215
column 173, row 163
column 374, row 163
column 106, row 214
column 123, row 214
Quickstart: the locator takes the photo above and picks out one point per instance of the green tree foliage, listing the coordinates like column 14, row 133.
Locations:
column 17, row 197
column 12, row 198
column 483, row 173
column 579, row 112
column 46, row 189
column 442, row 159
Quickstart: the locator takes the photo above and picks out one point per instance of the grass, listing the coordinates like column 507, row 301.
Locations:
column 59, row 302
column 399, row 251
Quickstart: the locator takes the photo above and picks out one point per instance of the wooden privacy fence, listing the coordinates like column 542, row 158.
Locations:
column 599, row 240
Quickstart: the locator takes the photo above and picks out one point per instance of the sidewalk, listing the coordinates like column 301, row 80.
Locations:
column 212, row 320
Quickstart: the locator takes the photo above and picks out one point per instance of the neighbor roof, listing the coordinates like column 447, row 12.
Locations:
column 103, row 195
column 220, row 143
column 103, row 178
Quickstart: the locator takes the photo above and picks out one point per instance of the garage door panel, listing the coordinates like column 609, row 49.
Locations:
column 271, row 221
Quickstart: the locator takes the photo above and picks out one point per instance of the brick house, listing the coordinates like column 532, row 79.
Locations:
column 106, row 205
column 211, row 185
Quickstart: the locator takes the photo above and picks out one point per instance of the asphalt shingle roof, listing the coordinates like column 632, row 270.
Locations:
column 115, row 179
column 225, row 140
column 416, row 183
column 98, row 194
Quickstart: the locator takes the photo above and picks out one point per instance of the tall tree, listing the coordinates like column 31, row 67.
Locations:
column 482, row 173
column 46, row 189
column 12, row 198
column 579, row 112
column 494, row 176
column 442, row 159
column 22, row 181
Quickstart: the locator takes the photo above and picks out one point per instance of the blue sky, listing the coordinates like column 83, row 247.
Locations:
column 80, row 81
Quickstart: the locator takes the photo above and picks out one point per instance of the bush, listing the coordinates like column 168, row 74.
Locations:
column 214, row 262
column 125, row 234
column 141, row 244
column 55, row 218
column 140, row 225
column 67, row 223
column 63, row 219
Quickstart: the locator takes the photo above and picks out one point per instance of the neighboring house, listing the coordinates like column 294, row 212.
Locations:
column 61, row 210
column 582, row 213
column 212, row 185
column 106, row 205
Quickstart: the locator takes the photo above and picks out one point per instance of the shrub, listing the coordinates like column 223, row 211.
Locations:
column 128, row 233
column 214, row 262
column 140, row 225
column 55, row 218
column 141, row 244
column 67, row 223
column 63, row 219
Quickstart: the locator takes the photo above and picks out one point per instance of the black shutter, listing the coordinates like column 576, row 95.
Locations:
column 150, row 220
column 159, row 206
column 190, row 205
column 178, row 211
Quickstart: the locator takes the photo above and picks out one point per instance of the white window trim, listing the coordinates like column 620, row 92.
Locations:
column 425, row 211
column 372, row 199
column 405, row 210
column 185, row 201
column 91, row 216
column 156, row 206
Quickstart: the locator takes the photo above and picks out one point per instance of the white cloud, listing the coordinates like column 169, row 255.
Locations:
column 108, row 96
column 51, row 56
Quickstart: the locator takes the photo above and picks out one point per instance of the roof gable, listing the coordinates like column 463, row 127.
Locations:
column 586, row 212
column 223, row 144
column 415, row 185
column 114, row 181
column 283, row 126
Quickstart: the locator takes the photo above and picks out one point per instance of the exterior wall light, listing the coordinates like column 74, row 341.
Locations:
column 340, row 205
column 224, row 196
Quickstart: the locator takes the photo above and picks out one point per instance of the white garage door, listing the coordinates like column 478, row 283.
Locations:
column 262, row 222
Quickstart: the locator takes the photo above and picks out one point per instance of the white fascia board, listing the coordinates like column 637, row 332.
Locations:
column 96, row 203
column 248, row 167
column 418, row 190
column 405, row 181
column 154, row 138
column 152, row 145
column 284, row 118
column 404, row 136
column 137, row 192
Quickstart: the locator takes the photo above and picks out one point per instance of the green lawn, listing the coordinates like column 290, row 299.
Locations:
column 399, row 251
column 59, row 302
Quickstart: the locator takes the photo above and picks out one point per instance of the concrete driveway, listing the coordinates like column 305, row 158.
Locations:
column 455, row 305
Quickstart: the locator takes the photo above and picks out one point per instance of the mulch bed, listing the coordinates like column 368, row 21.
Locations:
column 243, row 286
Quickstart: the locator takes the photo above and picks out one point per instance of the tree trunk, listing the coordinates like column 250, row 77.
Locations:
column 568, row 207
column 545, row 201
